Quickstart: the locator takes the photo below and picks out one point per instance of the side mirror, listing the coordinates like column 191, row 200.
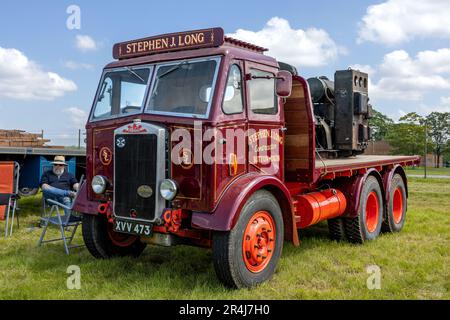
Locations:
column 284, row 83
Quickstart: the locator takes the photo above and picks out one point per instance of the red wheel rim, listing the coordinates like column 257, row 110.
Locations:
column 259, row 241
column 372, row 212
column 397, row 205
column 120, row 239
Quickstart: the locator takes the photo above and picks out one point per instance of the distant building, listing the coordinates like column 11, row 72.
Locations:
column 378, row 148
column 383, row 148
column 431, row 161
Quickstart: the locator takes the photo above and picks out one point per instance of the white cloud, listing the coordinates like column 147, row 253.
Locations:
column 444, row 106
column 425, row 109
column 363, row 68
column 396, row 21
column 435, row 61
column 445, row 101
column 86, row 43
column 73, row 65
column 403, row 77
column 308, row 48
column 23, row 79
column 77, row 117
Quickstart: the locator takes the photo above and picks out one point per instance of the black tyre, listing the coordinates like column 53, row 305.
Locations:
column 367, row 225
column 103, row 243
column 248, row 254
column 395, row 216
column 336, row 228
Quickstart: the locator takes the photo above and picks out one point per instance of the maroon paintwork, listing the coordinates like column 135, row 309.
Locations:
column 208, row 191
column 224, row 217
column 83, row 204
column 198, row 194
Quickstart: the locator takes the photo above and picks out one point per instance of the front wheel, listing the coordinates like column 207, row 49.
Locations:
column 103, row 243
column 248, row 254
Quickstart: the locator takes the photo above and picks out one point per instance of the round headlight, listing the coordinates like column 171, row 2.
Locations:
column 168, row 189
column 98, row 184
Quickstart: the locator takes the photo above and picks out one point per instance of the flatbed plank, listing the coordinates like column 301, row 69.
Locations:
column 360, row 162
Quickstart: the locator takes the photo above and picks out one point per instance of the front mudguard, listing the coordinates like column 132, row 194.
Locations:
column 82, row 204
column 230, row 203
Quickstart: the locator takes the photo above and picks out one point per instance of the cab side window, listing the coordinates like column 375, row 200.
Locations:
column 262, row 93
column 232, row 101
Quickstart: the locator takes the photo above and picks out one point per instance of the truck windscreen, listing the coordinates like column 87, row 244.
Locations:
column 183, row 88
column 122, row 91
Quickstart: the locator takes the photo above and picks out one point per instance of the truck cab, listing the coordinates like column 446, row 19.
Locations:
column 197, row 138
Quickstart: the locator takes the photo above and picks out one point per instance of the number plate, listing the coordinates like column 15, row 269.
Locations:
column 131, row 227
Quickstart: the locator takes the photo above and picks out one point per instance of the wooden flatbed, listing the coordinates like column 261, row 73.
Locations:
column 326, row 166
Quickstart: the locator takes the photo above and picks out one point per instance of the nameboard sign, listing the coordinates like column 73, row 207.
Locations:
column 169, row 42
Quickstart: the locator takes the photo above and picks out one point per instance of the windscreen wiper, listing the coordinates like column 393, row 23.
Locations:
column 102, row 92
column 176, row 67
column 135, row 74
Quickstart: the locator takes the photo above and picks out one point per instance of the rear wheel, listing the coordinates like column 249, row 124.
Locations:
column 103, row 243
column 27, row 192
column 394, row 218
column 336, row 228
column 367, row 225
column 248, row 254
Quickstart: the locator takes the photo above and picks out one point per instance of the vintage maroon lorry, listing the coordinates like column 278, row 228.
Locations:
column 197, row 138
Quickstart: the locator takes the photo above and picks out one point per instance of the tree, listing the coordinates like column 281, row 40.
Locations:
column 413, row 126
column 406, row 138
column 413, row 118
column 446, row 154
column 438, row 124
column 380, row 124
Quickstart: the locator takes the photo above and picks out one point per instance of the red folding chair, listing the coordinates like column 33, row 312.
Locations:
column 9, row 185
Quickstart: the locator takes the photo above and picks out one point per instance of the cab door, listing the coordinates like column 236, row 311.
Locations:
column 265, row 121
column 231, row 128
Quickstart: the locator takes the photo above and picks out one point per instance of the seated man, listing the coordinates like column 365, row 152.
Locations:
column 57, row 184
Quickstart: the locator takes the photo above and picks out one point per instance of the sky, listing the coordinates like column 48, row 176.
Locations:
column 51, row 61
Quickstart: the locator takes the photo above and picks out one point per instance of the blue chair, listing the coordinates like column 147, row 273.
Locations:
column 52, row 215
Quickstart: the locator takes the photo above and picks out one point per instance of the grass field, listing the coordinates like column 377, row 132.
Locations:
column 414, row 263
column 430, row 171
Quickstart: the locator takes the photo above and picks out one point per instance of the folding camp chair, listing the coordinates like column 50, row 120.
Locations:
column 52, row 215
column 9, row 186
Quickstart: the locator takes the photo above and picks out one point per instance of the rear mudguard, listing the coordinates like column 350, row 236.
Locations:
column 387, row 180
column 83, row 205
column 230, row 204
column 352, row 188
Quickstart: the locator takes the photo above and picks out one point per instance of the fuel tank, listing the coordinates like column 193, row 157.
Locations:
column 318, row 206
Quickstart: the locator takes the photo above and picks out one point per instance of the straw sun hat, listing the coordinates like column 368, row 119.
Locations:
column 59, row 160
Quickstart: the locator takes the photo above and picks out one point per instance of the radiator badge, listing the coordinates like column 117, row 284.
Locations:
column 145, row 191
column 187, row 159
column 120, row 142
column 105, row 156
column 135, row 128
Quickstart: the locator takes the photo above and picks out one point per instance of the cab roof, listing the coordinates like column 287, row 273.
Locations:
column 185, row 45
